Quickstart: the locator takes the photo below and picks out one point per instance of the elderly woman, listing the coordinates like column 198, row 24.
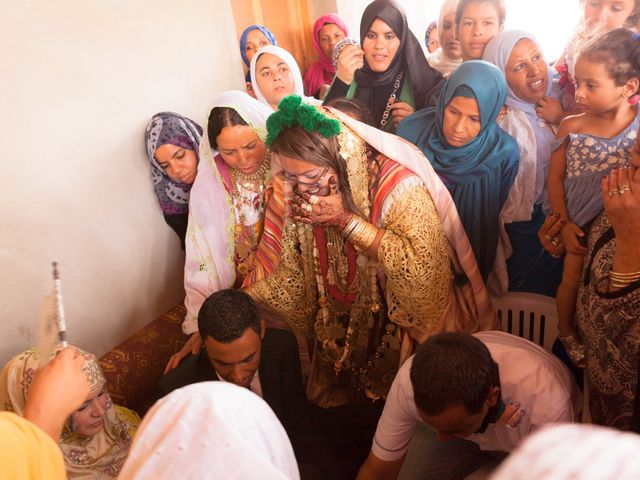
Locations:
column 275, row 75
column 529, row 81
column 171, row 141
column 96, row 439
column 390, row 73
column 227, row 205
column 357, row 275
column 608, row 306
column 475, row 158
column 449, row 55
column 328, row 30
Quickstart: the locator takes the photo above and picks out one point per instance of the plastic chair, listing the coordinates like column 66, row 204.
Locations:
column 528, row 315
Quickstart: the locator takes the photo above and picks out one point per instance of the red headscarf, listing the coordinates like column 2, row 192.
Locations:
column 322, row 71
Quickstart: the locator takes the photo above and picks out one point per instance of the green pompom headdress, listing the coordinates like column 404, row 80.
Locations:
column 291, row 111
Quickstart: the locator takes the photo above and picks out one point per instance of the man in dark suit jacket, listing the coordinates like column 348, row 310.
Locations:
column 239, row 349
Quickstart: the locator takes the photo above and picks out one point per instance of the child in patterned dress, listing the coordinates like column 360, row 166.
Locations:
column 598, row 17
column 588, row 146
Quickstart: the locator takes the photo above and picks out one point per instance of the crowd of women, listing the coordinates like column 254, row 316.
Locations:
column 386, row 194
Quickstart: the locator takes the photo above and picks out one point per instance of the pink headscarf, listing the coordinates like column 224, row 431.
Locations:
column 322, row 71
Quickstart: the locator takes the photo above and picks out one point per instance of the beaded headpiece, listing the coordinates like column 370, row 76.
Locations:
column 291, row 111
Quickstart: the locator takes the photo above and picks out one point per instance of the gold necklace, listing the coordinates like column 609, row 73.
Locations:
column 246, row 242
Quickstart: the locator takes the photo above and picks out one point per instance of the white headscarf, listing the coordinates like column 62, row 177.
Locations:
column 209, row 242
column 438, row 59
column 211, row 430
column 298, row 87
column 574, row 452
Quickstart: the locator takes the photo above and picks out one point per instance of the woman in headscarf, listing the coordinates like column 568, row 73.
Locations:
column 529, row 80
column 449, row 56
column 211, row 430
column 390, row 73
column 328, row 30
column 253, row 38
column 358, row 276
column 95, row 440
column 172, row 144
column 275, row 74
column 226, row 216
column 474, row 157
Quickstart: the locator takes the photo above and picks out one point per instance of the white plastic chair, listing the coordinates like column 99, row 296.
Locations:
column 528, row 315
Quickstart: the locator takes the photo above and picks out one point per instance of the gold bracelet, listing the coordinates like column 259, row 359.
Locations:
column 351, row 224
column 613, row 284
column 633, row 276
column 363, row 233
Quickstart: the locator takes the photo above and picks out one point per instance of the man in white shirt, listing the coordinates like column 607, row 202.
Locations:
column 482, row 394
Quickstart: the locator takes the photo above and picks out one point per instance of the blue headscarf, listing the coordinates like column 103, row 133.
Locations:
column 243, row 39
column 473, row 173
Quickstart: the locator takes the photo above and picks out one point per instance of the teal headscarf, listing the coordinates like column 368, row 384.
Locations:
column 473, row 173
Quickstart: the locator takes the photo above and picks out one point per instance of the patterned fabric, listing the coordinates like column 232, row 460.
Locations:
column 98, row 457
column 428, row 302
column 321, row 72
column 170, row 128
column 133, row 368
column 611, row 332
column 588, row 159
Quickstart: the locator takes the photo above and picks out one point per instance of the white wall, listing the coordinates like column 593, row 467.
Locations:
column 78, row 82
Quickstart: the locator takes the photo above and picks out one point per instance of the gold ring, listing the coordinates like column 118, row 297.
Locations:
column 313, row 199
column 307, row 208
column 547, row 236
column 555, row 241
column 555, row 255
column 623, row 188
column 613, row 192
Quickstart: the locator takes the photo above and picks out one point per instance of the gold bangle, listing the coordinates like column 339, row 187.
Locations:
column 363, row 233
column 351, row 224
column 624, row 276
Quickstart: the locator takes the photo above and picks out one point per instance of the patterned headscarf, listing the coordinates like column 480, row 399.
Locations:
column 100, row 456
column 171, row 128
column 243, row 39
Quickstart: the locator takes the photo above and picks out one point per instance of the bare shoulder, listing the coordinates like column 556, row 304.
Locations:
column 571, row 124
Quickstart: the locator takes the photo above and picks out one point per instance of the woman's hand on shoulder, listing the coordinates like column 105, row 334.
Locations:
column 191, row 347
column 351, row 58
column 550, row 110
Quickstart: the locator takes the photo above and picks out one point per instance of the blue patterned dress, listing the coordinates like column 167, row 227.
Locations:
column 589, row 159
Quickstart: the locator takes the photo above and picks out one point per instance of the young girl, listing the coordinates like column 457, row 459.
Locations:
column 598, row 16
column 478, row 21
column 607, row 75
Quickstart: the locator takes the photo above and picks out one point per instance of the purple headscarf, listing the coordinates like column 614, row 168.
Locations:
column 171, row 128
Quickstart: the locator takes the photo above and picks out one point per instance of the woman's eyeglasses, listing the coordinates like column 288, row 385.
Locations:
column 311, row 188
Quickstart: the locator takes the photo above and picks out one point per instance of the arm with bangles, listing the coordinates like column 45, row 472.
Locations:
column 621, row 195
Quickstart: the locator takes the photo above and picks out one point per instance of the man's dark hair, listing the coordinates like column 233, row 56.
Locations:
column 450, row 368
column 227, row 314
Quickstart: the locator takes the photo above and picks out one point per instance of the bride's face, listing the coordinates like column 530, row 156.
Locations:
column 307, row 177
